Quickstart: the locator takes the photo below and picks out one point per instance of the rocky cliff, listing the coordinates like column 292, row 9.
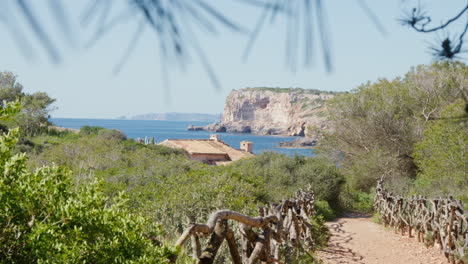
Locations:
column 273, row 111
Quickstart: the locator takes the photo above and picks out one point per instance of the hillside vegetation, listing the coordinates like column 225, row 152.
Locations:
column 412, row 131
column 168, row 190
column 95, row 196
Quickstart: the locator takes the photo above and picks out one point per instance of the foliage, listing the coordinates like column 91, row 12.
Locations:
column 285, row 175
column 120, row 189
column 167, row 187
column 324, row 209
column 33, row 118
column 9, row 109
column 322, row 233
column 442, row 155
column 398, row 130
column 194, row 195
column 90, row 130
column 375, row 128
column 376, row 218
column 10, row 88
column 86, row 155
column 111, row 134
column 44, row 218
column 356, row 201
column 39, row 143
column 161, row 183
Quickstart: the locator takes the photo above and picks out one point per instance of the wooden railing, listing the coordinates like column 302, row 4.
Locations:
column 272, row 237
column 440, row 222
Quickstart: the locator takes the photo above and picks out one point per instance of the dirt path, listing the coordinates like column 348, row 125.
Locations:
column 358, row 240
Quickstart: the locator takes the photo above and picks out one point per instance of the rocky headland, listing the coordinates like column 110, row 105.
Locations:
column 273, row 111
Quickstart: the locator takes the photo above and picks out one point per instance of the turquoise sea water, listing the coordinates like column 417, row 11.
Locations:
column 162, row 130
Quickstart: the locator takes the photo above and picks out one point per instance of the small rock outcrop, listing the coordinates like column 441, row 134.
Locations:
column 195, row 128
column 273, row 111
column 299, row 143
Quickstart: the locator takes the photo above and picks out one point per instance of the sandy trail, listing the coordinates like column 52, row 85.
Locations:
column 358, row 240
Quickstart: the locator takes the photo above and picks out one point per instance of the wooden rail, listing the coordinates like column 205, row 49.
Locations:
column 441, row 222
column 272, row 237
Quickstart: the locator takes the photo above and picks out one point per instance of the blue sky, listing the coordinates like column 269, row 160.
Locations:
column 86, row 87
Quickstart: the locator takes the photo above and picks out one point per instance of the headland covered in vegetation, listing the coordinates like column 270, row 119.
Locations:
column 95, row 196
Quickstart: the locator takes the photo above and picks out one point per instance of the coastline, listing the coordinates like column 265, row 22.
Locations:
column 163, row 130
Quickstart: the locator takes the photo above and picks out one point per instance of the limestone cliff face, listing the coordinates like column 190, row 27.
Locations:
column 273, row 111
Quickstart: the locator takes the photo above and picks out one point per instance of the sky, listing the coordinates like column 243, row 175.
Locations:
column 86, row 86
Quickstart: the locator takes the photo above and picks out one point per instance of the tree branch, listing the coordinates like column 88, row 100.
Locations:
column 415, row 19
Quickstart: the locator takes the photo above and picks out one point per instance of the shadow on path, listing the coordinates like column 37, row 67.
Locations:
column 338, row 249
column 357, row 240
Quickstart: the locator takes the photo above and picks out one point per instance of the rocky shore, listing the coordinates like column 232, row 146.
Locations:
column 299, row 143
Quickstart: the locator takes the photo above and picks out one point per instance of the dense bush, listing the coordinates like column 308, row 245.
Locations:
column 324, row 210
column 356, row 201
column 111, row 134
column 192, row 196
column 169, row 188
column 442, row 155
column 377, row 128
column 119, row 192
column 113, row 160
column 33, row 117
column 403, row 130
column 90, row 130
column 44, row 218
column 285, row 175
column 161, row 183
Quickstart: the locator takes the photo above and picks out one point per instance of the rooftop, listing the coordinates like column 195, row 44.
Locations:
column 207, row 146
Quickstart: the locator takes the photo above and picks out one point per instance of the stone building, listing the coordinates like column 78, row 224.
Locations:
column 211, row 151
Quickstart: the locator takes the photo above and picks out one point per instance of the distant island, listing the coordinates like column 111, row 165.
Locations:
column 174, row 116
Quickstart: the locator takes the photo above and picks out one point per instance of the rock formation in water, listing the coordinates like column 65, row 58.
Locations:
column 299, row 143
column 273, row 111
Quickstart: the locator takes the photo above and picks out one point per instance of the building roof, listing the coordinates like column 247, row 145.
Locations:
column 207, row 146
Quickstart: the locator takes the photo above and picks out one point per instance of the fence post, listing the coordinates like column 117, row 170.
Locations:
column 208, row 255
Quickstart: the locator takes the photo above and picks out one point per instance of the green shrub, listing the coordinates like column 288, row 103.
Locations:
column 111, row 134
column 322, row 234
column 45, row 219
column 197, row 193
column 324, row 209
column 161, row 183
column 25, row 145
column 376, row 218
column 377, row 126
column 57, row 132
column 285, row 175
column 90, row 130
column 441, row 155
column 32, row 119
column 357, row 201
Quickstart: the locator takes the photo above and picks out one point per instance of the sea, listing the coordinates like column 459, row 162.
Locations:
column 162, row 130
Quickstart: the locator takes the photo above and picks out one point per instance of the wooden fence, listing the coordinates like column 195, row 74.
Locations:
column 272, row 237
column 434, row 221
